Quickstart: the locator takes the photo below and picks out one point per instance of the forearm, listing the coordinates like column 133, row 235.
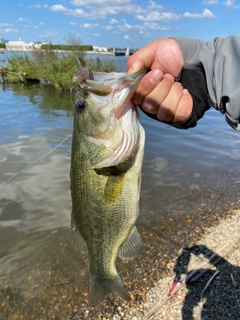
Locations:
column 213, row 76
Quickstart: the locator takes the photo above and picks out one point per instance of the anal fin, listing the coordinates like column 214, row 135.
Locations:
column 133, row 247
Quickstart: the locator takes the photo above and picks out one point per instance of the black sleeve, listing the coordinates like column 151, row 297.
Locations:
column 193, row 79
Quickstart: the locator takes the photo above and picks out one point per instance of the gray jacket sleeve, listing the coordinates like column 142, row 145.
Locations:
column 220, row 63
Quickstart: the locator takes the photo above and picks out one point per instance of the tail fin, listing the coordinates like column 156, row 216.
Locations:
column 100, row 287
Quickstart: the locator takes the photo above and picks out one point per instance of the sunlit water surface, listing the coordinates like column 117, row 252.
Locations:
column 186, row 175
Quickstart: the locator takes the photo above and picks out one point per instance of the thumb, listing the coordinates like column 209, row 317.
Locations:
column 135, row 65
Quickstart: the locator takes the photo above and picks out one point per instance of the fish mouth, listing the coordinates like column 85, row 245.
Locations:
column 104, row 83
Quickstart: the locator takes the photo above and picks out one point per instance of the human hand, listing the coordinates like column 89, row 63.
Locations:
column 157, row 92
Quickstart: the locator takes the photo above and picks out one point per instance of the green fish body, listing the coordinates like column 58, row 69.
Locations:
column 107, row 153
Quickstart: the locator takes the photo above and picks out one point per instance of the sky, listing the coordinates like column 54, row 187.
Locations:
column 117, row 23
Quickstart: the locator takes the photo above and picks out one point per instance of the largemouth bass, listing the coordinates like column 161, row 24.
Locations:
column 107, row 153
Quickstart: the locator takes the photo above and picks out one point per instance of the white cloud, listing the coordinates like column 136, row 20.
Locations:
column 231, row 4
column 127, row 37
column 89, row 25
column 73, row 23
column 47, row 35
column 38, row 6
column 9, row 30
column 97, row 35
column 42, row 23
column 21, row 19
column 145, row 33
column 154, row 26
column 113, row 21
column 143, row 27
column 205, row 14
column 154, row 5
column 76, row 13
column 151, row 12
column 210, row 2
column 59, row 7
column 126, row 27
column 6, row 25
column 107, row 27
column 158, row 16
column 99, row 3
column 98, row 9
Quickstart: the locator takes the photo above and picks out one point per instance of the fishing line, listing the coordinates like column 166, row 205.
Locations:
column 78, row 61
column 71, row 91
column 32, row 163
column 46, row 154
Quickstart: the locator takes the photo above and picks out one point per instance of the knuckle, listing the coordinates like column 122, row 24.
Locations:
column 150, row 106
column 137, row 98
column 165, row 114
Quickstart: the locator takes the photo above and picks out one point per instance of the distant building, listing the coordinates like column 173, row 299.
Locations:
column 100, row 49
column 37, row 45
column 19, row 45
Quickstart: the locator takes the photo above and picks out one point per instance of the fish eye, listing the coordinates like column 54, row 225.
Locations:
column 80, row 106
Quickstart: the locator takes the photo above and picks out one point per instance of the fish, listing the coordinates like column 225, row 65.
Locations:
column 106, row 161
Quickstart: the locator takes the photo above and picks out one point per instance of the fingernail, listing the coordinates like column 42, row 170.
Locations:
column 178, row 83
column 185, row 91
column 169, row 76
column 156, row 76
column 135, row 67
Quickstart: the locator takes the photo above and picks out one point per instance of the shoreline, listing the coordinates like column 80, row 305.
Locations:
column 208, row 296
column 61, row 51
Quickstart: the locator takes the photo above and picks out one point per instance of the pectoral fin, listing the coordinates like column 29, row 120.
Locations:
column 113, row 188
column 132, row 248
column 78, row 240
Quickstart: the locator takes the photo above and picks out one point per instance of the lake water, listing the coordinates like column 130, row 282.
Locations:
column 189, row 179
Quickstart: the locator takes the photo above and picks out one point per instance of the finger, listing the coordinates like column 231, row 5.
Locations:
column 147, row 84
column 184, row 108
column 142, row 58
column 136, row 66
column 164, row 54
column 168, row 107
column 155, row 98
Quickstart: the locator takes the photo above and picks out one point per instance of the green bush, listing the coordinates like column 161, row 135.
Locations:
column 55, row 68
column 20, row 66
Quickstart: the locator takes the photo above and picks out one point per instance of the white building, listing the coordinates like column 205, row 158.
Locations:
column 100, row 49
column 19, row 45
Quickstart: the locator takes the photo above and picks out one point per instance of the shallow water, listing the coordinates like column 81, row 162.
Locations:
column 188, row 176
